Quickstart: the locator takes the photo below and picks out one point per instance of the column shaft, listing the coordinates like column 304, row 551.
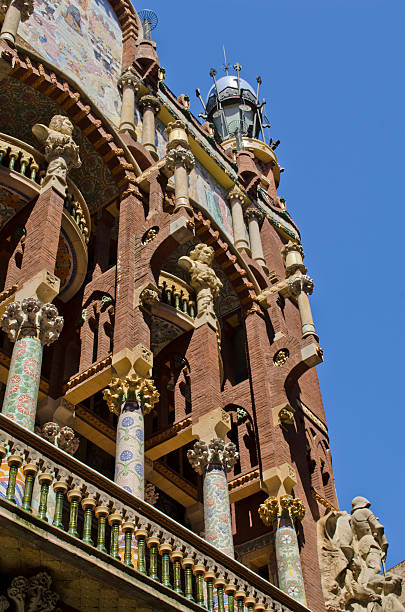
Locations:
column 288, row 560
column 307, row 323
column 128, row 108
column 217, row 515
column 129, row 455
column 181, row 187
column 148, row 130
column 256, row 241
column 21, row 396
column 11, row 22
column 239, row 227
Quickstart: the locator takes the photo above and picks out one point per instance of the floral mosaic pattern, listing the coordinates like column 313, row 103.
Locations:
column 129, row 458
column 20, row 400
column 288, row 562
column 10, row 203
column 82, row 38
column 217, row 515
column 207, row 192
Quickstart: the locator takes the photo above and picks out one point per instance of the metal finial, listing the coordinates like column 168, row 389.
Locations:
column 226, row 65
column 149, row 21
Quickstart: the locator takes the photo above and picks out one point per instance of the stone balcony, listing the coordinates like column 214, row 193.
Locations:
column 80, row 522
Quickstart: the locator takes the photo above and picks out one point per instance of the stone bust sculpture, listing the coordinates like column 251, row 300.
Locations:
column 61, row 151
column 202, row 277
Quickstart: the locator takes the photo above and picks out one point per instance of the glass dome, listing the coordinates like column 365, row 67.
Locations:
column 230, row 81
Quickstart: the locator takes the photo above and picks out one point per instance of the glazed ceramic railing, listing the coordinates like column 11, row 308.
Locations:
column 175, row 292
column 142, row 539
column 27, row 161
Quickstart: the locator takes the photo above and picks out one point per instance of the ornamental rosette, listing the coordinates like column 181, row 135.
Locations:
column 32, row 318
column 132, row 388
column 217, row 452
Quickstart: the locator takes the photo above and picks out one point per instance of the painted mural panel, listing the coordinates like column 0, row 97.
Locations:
column 211, row 196
column 83, row 38
column 161, row 138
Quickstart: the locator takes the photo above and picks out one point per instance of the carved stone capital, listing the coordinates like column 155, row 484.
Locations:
column 151, row 102
column 180, row 157
column 132, row 389
column 26, row 8
column 292, row 247
column 176, row 132
column 237, row 194
column 284, row 506
column 61, row 152
column 31, row 318
column 299, row 283
column 215, row 453
column 129, row 77
column 254, row 213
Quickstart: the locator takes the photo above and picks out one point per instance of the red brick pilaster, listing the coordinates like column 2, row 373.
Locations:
column 202, row 355
column 43, row 232
column 130, row 326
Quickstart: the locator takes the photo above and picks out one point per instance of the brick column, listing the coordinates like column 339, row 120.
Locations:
column 281, row 514
column 130, row 398
column 130, row 328
column 31, row 325
column 213, row 460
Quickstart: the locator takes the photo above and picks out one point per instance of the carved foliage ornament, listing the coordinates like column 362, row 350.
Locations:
column 63, row 437
column 285, row 506
column 132, row 388
column 292, row 246
column 32, row 318
column 32, row 594
column 217, row 452
column 299, row 283
column 61, row 152
column 151, row 102
column 180, row 157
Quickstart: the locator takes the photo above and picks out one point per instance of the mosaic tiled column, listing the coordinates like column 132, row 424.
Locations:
column 300, row 287
column 281, row 514
column 213, row 461
column 31, row 325
column 130, row 398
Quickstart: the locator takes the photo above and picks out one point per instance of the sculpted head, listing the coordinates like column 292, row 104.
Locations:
column 60, row 123
column 202, row 253
column 360, row 502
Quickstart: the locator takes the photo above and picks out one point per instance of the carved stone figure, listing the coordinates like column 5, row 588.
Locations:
column 61, row 152
column 203, row 278
column 352, row 549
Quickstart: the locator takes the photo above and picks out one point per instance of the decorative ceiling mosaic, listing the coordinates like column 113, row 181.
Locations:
column 22, row 107
column 162, row 333
column 10, row 203
column 83, row 38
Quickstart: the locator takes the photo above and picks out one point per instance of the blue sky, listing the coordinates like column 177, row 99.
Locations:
column 333, row 77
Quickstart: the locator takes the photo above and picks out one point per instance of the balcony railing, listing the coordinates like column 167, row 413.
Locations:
column 175, row 292
column 144, row 542
column 30, row 163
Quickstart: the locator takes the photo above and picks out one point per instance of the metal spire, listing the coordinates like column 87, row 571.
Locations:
column 226, row 65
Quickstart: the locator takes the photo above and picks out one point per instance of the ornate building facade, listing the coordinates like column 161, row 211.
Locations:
column 162, row 435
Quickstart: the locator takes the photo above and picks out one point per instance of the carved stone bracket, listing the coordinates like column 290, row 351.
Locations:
column 284, row 506
column 217, row 452
column 132, row 388
column 63, row 437
column 32, row 318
